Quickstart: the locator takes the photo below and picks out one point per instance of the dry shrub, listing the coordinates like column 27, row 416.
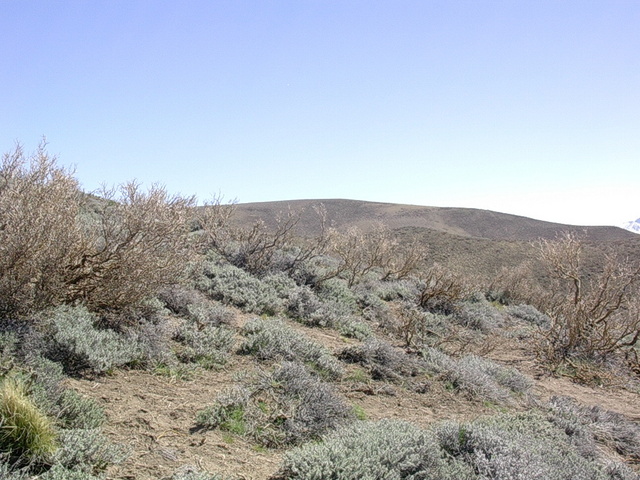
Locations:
column 261, row 248
column 592, row 317
column 440, row 289
column 39, row 233
column 415, row 327
column 134, row 245
column 513, row 285
column 58, row 245
column 361, row 253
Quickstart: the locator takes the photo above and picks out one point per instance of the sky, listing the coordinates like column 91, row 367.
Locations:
column 523, row 107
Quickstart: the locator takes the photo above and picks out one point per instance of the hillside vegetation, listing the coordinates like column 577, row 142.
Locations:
column 144, row 337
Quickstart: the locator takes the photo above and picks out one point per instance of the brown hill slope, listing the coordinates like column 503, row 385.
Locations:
column 469, row 240
column 467, row 222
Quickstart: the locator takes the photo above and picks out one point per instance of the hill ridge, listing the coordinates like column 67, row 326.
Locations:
column 462, row 221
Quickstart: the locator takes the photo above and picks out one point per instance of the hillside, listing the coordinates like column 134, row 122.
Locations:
column 470, row 241
column 466, row 222
column 144, row 338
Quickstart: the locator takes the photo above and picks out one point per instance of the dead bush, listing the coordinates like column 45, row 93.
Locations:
column 361, row 253
column 261, row 248
column 593, row 317
column 440, row 289
column 58, row 245
column 135, row 244
column 39, row 233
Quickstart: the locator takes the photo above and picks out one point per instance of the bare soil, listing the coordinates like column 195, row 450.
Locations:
column 154, row 415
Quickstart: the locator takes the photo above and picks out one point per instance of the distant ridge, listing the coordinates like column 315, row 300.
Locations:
column 466, row 222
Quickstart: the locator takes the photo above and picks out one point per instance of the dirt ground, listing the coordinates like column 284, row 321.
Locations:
column 154, row 415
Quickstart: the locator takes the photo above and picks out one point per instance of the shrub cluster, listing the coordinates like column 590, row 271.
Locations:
column 72, row 410
column 50, row 428
column 25, row 431
column 274, row 340
column 72, row 337
column 324, row 311
column 521, row 446
column 417, row 327
column 477, row 376
column 478, row 314
column 204, row 344
column 529, row 314
column 587, row 426
column 234, row 286
column 386, row 449
column 286, row 407
column 383, row 361
column 503, row 447
column 593, row 317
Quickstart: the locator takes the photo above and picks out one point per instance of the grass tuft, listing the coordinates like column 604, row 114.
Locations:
column 24, row 430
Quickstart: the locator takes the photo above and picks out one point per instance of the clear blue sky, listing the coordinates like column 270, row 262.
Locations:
column 525, row 107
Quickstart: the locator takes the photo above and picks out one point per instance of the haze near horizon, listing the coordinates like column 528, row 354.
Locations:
column 525, row 107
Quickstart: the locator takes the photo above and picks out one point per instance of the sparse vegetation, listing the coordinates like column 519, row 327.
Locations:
column 100, row 287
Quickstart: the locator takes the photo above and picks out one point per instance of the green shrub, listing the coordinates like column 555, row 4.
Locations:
column 10, row 472
column 25, row 431
column 79, row 412
column 521, row 446
column 387, row 449
column 353, row 328
column 87, row 450
column 228, row 411
column 233, row 286
column 210, row 314
column 280, row 283
column 337, row 291
column 477, row 376
column 274, row 340
column 71, row 409
column 391, row 290
column 590, row 424
column 529, row 314
column 308, row 308
column 478, row 315
column 311, row 406
column 286, row 407
column 78, row 344
column 383, row 361
column 209, row 346
column 8, row 350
